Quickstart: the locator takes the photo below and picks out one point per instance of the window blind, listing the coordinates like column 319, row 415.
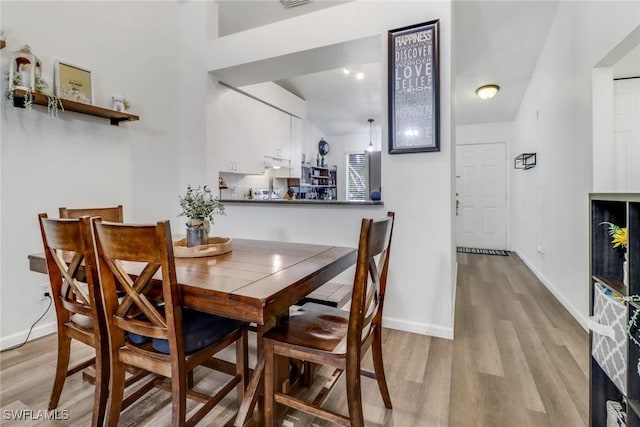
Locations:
column 356, row 182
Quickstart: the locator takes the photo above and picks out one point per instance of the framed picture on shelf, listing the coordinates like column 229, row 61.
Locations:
column 73, row 82
column 414, row 92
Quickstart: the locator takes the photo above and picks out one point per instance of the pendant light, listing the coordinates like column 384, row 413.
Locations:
column 370, row 146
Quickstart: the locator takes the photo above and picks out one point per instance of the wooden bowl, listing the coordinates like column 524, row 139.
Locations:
column 216, row 246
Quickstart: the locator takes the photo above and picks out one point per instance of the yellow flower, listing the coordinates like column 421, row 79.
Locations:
column 620, row 238
column 618, row 235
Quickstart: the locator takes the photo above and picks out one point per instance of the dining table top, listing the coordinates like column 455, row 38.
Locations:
column 254, row 282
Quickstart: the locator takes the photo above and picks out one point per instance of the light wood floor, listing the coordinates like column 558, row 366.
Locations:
column 518, row 359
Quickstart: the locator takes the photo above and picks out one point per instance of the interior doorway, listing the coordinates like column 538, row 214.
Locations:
column 627, row 134
column 481, row 198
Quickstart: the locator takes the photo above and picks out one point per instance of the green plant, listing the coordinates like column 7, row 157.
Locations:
column 40, row 84
column 198, row 204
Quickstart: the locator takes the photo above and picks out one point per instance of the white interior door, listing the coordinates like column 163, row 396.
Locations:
column 481, row 201
column 627, row 134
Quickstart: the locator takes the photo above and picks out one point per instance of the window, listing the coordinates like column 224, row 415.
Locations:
column 356, row 183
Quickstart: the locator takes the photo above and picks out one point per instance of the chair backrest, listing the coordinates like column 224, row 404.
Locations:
column 68, row 248
column 370, row 280
column 150, row 247
column 111, row 214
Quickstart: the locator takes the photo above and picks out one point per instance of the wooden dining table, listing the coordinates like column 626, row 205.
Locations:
column 256, row 282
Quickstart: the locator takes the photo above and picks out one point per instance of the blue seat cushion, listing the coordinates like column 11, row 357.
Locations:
column 199, row 329
column 137, row 338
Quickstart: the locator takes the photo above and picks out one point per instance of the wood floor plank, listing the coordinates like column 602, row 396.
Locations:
column 484, row 343
column 519, row 376
column 518, row 359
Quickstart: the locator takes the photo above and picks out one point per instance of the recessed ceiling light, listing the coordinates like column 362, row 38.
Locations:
column 487, row 91
column 346, row 70
column 360, row 75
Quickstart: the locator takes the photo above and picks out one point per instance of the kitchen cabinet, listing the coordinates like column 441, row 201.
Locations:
column 297, row 131
column 240, row 150
column 613, row 374
column 272, row 128
column 254, row 134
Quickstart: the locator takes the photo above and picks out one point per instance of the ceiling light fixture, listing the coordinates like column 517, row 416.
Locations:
column 346, row 70
column 487, row 91
column 370, row 146
column 360, row 75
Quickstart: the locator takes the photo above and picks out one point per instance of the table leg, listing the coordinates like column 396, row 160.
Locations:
column 251, row 395
column 255, row 388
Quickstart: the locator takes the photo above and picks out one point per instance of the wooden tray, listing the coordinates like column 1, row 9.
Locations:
column 216, row 246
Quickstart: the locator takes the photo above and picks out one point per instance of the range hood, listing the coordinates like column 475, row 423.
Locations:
column 272, row 162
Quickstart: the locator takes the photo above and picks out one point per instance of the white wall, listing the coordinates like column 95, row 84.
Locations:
column 422, row 276
column 78, row 160
column 191, row 141
column 549, row 206
column 311, row 135
column 484, row 133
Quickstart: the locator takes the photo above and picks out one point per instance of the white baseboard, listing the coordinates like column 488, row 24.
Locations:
column 37, row 332
column 418, row 328
column 581, row 319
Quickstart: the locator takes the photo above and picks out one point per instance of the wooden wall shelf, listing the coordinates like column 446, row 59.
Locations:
column 115, row 117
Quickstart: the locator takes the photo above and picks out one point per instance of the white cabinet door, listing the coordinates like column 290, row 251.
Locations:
column 272, row 130
column 250, row 154
column 251, row 130
column 240, row 139
column 229, row 121
column 297, row 132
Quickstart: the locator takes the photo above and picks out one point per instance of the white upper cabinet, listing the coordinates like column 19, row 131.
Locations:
column 239, row 151
column 297, row 132
column 274, row 130
column 255, row 134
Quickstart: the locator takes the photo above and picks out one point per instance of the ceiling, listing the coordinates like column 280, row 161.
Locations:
column 494, row 42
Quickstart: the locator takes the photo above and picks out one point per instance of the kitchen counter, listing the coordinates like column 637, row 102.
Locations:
column 297, row 202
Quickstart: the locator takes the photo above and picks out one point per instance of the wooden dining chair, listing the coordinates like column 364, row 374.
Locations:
column 111, row 214
column 150, row 329
column 73, row 276
column 325, row 335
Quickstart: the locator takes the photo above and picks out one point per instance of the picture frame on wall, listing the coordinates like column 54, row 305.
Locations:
column 73, row 82
column 414, row 88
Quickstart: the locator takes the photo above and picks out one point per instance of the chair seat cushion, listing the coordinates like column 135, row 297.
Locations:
column 82, row 320
column 199, row 329
column 314, row 326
